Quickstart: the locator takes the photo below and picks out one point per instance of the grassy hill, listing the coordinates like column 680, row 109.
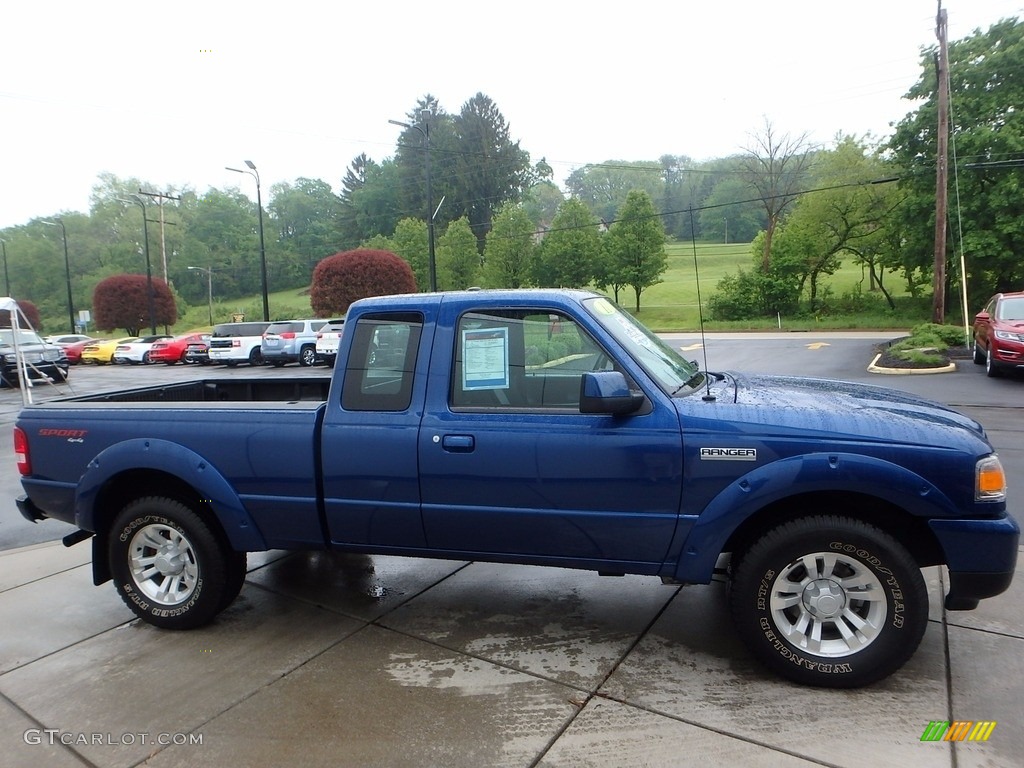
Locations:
column 671, row 305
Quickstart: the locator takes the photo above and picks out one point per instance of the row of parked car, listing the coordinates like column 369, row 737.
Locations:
column 305, row 342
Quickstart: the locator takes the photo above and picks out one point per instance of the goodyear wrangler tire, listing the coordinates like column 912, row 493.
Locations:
column 168, row 565
column 829, row 601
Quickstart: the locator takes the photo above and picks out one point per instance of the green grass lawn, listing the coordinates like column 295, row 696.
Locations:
column 672, row 304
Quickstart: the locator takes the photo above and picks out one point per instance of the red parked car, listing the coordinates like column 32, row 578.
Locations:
column 171, row 351
column 999, row 334
column 74, row 351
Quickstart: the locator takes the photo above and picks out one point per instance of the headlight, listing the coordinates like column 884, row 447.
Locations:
column 1007, row 336
column 989, row 480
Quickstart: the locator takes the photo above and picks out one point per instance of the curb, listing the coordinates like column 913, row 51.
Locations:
column 872, row 368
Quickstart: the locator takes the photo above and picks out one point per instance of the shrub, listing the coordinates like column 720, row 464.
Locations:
column 121, row 301
column 349, row 276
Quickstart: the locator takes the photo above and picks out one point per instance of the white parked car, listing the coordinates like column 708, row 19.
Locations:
column 327, row 340
column 64, row 339
column 136, row 351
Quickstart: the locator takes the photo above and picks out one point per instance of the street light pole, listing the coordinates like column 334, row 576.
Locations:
column 67, row 270
column 263, row 253
column 150, row 300
column 425, row 133
column 209, row 286
column 7, row 277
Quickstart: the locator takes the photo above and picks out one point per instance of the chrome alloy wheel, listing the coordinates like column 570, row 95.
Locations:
column 163, row 564
column 828, row 605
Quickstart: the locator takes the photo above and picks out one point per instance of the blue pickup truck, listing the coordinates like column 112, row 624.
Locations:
column 549, row 428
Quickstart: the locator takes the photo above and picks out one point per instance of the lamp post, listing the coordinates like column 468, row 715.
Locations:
column 425, row 133
column 209, row 286
column 150, row 301
column 263, row 253
column 67, row 270
column 7, row 277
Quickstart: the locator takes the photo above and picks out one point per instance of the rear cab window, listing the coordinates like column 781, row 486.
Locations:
column 382, row 362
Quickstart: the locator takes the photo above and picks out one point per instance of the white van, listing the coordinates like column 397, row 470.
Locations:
column 234, row 343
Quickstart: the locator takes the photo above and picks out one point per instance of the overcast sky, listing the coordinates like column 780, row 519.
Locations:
column 171, row 92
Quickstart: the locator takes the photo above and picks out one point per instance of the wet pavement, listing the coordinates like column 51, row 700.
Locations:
column 345, row 660
column 329, row 659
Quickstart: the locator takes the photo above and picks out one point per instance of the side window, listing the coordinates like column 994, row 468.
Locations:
column 522, row 360
column 382, row 362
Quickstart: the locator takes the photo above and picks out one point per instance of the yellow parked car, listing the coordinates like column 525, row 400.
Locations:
column 101, row 351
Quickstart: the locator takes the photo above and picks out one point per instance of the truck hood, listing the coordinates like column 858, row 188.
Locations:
column 839, row 409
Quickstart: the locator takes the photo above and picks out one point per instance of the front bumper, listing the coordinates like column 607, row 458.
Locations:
column 981, row 555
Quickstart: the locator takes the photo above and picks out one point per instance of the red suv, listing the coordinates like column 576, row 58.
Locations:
column 999, row 333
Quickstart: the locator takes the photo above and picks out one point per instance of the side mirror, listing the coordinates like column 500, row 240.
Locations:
column 981, row 317
column 607, row 392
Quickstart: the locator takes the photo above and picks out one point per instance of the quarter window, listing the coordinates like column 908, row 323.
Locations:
column 382, row 362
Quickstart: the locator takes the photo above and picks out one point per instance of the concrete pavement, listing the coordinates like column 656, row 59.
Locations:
column 340, row 660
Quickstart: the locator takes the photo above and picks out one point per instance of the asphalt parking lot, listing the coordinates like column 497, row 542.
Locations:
column 330, row 659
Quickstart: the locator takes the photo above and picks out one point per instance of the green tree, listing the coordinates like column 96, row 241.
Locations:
column 569, row 254
column 370, row 200
column 305, row 217
column 636, row 244
column 846, row 216
column 490, row 168
column 509, row 253
column 604, row 187
column 410, row 242
column 986, row 79
column 541, row 203
column 222, row 232
column 777, row 168
column 728, row 214
column 458, row 260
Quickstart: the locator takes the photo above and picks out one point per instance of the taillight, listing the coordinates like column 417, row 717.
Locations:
column 287, row 335
column 21, row 451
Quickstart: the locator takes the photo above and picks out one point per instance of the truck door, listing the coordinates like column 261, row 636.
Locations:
column 509, row 466
column 368, row 439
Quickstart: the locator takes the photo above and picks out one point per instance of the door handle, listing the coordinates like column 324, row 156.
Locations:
column 458, row 443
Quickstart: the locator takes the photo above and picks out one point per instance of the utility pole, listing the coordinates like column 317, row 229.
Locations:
column 941, row 171
column 163, row 242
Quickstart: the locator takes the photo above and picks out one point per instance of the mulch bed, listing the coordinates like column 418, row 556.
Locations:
column 891, row 361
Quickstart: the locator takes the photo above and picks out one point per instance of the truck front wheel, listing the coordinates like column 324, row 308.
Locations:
column 829, row 601
column 169, row 567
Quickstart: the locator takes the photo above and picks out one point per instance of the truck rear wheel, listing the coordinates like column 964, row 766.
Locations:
column 169, row 567
column 829, row 601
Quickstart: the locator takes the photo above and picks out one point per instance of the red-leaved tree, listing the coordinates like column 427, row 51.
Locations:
column 349, row 276
column 121, row 301
column 29, row 311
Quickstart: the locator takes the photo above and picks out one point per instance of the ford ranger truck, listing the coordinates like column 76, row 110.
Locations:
column 548, row 428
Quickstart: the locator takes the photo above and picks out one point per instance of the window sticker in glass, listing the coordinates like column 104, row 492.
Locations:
column 485, row 363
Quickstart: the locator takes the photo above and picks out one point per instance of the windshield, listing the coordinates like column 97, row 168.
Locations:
column 24, row 337
column 1011, row 309
column 662, row 363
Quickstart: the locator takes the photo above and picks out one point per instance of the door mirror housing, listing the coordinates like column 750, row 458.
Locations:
column 608, row 392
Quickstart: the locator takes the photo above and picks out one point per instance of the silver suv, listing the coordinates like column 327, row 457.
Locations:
column 290, row 341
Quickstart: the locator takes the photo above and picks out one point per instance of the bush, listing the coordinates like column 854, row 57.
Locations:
column 948, row 335
column 747, row 295
column 349, row 276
